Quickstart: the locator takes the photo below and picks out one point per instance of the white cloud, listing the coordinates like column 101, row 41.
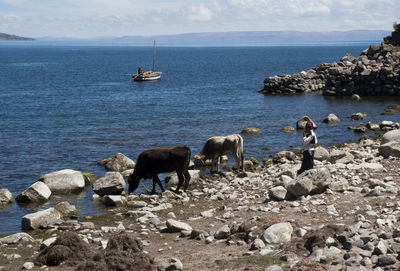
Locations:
column 199, row 13
column 133, row 17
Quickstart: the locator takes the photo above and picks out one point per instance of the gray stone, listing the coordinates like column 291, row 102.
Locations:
column 118, row 163
column 321, row 153
column 273, row 267
column 390, row 136
column 251, row 131
column 172, row 179
column 358, row 116
column 28, row 265
column 34, row 220
column 278, row 193
column 331, row 119
column 278, row 233
column 384, row 260
column 312, row 181
column 257, row 244
column 64, row 181
column 391, row 148
column 340, row 156
column 111, row 184
column 223, row 232
column 301, row 123
column 15, row 238
column 115, row 200
column 288, row 129
column 177, row 226
column 66, row 209
column 339, row 186
column 5, row 197
column 37, row 192
column 173, row 264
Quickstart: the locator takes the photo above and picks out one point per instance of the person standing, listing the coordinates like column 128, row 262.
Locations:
column 309, row 142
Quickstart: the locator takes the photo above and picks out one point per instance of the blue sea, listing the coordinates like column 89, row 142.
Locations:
column 68, row 106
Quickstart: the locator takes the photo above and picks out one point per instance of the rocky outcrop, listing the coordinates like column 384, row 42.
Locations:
column 375, row 72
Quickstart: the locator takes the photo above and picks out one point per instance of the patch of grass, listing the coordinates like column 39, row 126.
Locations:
column 253, row 261
column 43, row 234
column 107, row 219
column 89, row 178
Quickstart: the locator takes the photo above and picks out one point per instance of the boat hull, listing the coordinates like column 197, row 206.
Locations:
column 147, row 76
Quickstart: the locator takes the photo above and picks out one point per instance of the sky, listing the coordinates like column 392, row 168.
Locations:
column 117, row 18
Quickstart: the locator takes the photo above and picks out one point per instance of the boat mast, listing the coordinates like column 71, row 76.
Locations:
column 154, row 54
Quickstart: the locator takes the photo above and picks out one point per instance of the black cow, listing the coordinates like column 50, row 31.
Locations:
column 161, row 160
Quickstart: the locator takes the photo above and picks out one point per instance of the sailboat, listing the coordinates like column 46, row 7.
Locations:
column 148, row 75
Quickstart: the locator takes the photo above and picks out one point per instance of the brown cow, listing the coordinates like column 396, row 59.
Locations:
column 161, row 160
column 217, row 146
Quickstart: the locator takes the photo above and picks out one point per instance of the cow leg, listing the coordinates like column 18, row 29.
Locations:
column 157, row 180
column 180, row 177
column 217, row 161
column 241, row 161
column 187, row 179
column 133, row 184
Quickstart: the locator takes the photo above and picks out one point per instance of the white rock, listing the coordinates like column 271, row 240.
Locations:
column 37, row 192
column 111, row 184
column 64, row 181
column 5, row 197
column 177, row 226
column 278, row 233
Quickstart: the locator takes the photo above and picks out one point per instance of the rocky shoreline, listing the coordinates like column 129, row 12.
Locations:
column 342, row 215
column 375, row 72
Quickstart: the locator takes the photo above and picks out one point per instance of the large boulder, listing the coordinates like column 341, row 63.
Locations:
column 393, row 135
column 64, row 181
column 5, row 197
column 331, row 119
column 391, row 148
column 37, row 192
column 111, row 184
column 278, row 233
column 301, row 123
column 313, row 181
column 321, row 153
column 35, row 220
column 119, row 163
column 172, row 179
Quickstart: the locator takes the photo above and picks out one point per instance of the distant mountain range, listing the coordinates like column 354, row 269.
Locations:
column 239, row 38
column 4, row 36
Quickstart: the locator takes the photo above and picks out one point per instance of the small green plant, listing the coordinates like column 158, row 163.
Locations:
column 89, row 178
column 254, row 160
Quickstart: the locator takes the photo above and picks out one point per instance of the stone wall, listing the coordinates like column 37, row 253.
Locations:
column 375, row 72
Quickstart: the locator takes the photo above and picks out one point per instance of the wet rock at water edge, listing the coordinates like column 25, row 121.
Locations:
column 119, row 163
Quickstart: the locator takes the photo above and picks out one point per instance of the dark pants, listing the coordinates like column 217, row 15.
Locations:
column 308, row 162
